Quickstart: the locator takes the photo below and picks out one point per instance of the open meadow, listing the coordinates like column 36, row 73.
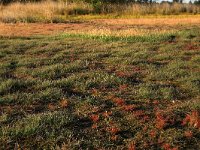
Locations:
column 101, row 84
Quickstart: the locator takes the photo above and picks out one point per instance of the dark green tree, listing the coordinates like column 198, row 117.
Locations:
column 197, row 2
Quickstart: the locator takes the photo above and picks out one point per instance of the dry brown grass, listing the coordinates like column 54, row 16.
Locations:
column 48, row 12
column 160, row 9
column 122, row 32
column 114, row 27
column 40, row 12
column 169, row 21
column 147, row 9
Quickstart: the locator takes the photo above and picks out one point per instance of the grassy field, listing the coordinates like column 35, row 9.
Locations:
column 118, row 84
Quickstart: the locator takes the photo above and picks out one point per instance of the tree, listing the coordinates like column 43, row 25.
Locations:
column 197, row 2
column 9, row 1
column 177, row 1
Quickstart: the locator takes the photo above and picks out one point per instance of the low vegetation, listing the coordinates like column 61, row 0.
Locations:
column 108, row 91
column 99, row 84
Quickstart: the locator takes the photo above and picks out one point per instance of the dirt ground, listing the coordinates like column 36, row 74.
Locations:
column 28, row 29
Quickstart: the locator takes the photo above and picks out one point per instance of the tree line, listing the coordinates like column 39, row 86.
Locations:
column 95, row 2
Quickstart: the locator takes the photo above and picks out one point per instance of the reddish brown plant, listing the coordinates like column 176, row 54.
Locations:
column 119, row 101
column 129, row 107
column 107, row 114
column 160, row 121
column 131, row 146
column 188, row 134
column 94, row 118
column 63, row 103
column 192, row 119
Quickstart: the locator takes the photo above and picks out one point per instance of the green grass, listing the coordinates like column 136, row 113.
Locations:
column 148, row 74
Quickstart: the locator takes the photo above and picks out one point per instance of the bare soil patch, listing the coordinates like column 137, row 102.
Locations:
column 130, row 25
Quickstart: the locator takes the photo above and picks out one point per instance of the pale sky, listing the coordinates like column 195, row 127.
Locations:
column 185, row 1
